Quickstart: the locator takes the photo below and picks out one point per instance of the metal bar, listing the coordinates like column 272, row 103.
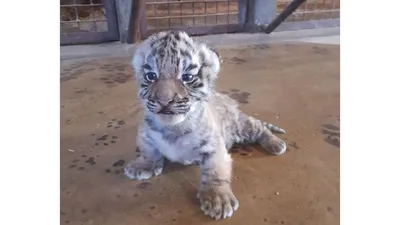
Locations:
column 294, row 15
column 305, row 10
column 332, row 6
column 172, row 2
column 93, row 35
column 190, row 16
column 169, row 14
column 193, row 12
column 82, row 21
column 282, row 16
column 257, row 14
column 323, row 6
column 216, row 11
column 286, row 4
column 92, row 16
column 227, row 15
column 243, row 17
column 77, row 16
column 84, row 38
column 200, row 30
column 205, row 12
column 321, row 11
column 112, row 21
column 80, row 5
column 156, row 15
column 180, row 5
column 143, row 21
column 279, row 4
column 315, row 9
column 311, row 24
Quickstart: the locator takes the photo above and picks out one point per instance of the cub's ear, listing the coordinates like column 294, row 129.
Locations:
column 143, row 50
column 139, row 58
column 210, row 62
column 214, row 50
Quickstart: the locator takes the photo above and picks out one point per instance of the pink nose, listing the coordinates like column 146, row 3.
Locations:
column 165, row 102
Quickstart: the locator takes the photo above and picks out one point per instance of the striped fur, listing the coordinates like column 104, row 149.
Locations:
column 186, row 120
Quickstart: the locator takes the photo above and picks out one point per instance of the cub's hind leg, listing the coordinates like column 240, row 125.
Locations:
column 253, row 130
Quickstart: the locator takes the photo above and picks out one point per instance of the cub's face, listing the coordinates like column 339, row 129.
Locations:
column 174, row 75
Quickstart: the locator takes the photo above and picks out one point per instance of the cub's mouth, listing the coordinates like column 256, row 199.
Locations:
column 167, row 112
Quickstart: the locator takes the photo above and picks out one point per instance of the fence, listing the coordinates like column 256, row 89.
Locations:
column 87, row 21
column 196, row 17
column 193, row 16
column 224, row 16
column 312, row 10
column 311, row 14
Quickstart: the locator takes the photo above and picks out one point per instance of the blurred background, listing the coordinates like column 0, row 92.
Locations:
column 98, row 21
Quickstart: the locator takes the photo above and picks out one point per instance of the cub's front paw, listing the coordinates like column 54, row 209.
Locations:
column 140, row 170
column 273, row 145
column 218, row 202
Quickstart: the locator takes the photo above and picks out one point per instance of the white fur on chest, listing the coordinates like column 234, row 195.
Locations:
column 180, row 151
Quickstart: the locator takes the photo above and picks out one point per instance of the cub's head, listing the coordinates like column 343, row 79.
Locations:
column 174, row 74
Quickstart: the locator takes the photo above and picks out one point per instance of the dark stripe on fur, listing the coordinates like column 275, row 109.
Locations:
column 199, row 85
column 215, row 51
column 216, row 182
column 147, row 67
column 205, row 156
column 191, row 66
column 152, row 124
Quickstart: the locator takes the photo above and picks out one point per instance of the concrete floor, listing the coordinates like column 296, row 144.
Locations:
column 333, row 40
column 295, row 86
column 328, row 35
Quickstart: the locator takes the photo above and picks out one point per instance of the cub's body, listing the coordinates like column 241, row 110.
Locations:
column 187, row 121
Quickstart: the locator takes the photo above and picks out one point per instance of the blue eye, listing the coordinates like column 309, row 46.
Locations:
column 187, row 77
column 151, row 76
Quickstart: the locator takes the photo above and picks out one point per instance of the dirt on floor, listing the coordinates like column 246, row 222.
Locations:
column 295, row 86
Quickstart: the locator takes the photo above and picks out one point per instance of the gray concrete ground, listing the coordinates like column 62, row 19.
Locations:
column 291, row 79
column 293, row 85
column 333, row 40
column 116, row 49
